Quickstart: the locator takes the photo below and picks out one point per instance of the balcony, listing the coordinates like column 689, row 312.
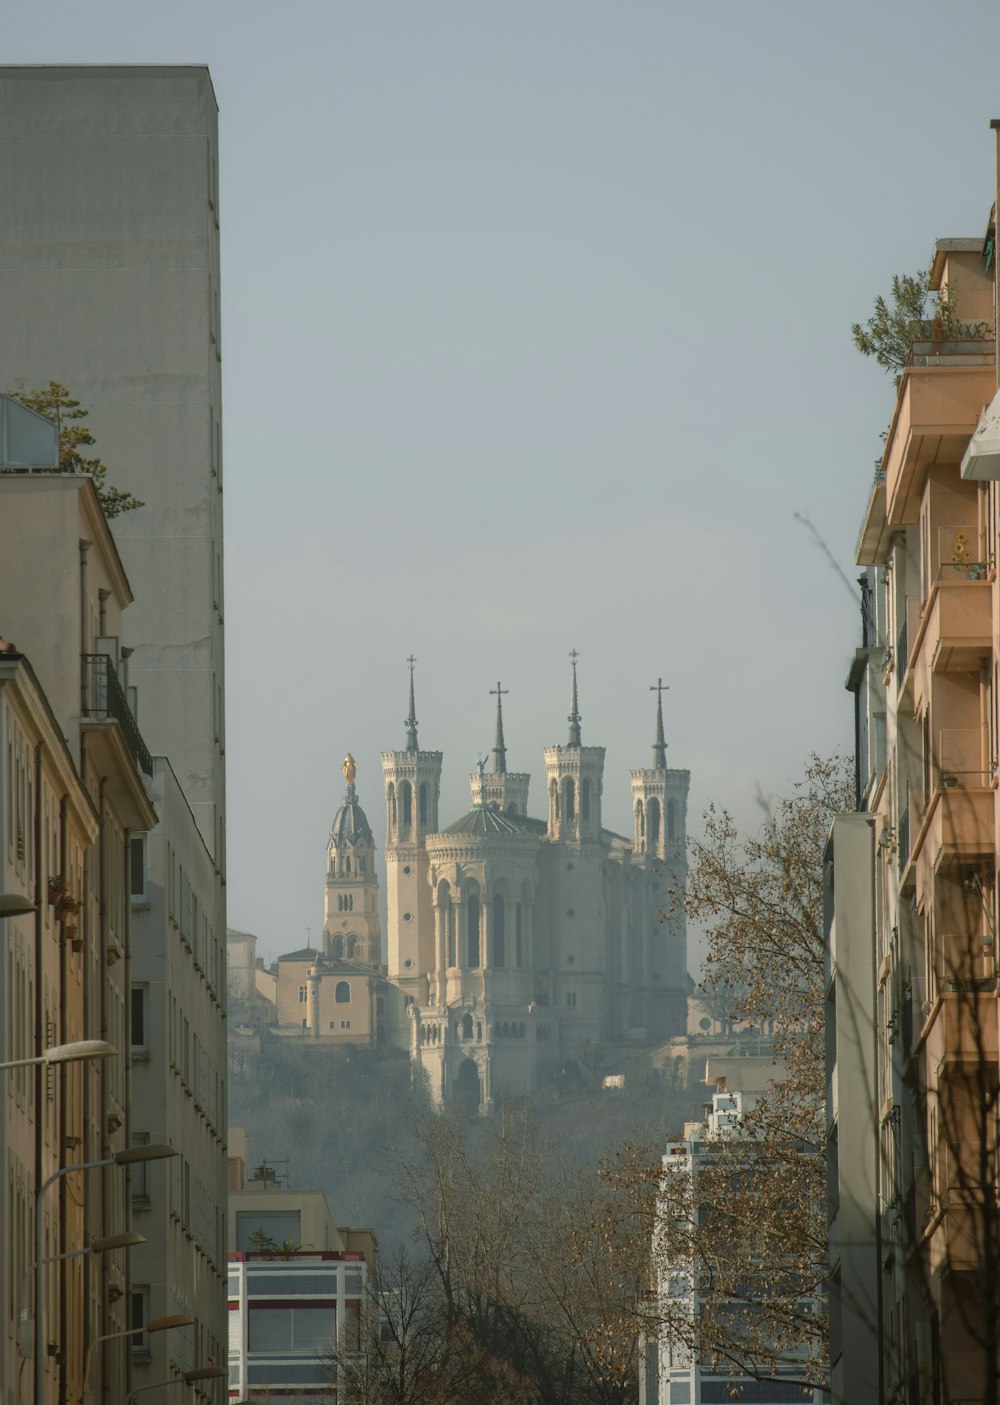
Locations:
column 941, row 397
column 956, row 824
column 103, row 698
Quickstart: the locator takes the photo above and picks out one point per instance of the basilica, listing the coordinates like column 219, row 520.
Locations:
column 514, row 943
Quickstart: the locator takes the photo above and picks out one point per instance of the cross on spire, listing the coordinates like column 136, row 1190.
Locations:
column 500, row 749
column 574, row 716
column 411, row 721
column 660, row 744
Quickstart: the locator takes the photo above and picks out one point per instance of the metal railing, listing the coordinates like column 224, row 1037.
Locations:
column 104, row 697
column 904, row 839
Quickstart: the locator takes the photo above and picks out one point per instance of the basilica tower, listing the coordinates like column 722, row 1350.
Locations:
column 412, row 787
column 351, row 929
column 659, row 959
column 508, row 790
column 574, row 778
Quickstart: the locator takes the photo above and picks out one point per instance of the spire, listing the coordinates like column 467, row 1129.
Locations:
column 411, row 721
column 660, row 744
column 574, row 716
column 499, row 750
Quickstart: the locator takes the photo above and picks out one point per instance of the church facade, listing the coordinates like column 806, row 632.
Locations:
column 515, row 943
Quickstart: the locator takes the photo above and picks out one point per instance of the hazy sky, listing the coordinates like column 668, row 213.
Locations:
column 536, row 336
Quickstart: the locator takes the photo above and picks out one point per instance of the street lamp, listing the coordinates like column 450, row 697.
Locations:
column 121, row 1158
column 15, row 905
column 155, row 1324
column 128, row 1240
column 200, row 1373
column 66, row 1054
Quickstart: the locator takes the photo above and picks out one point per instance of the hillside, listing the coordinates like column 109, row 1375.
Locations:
column 338, row 1117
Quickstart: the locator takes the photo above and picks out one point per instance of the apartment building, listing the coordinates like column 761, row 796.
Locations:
column 110, row 286
column 912, row 886
column 297, row 1285
column 73, row 771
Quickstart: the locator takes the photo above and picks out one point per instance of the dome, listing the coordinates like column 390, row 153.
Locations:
column 350, row 823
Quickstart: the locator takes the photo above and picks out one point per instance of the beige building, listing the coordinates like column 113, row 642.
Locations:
column 74, row 770
column 913, row 1056
column 178, row 1047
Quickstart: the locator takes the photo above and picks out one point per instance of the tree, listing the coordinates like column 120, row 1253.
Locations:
column 409, row 1350
column 57, row 405
column 538, row 1268
column 746, row 1230
column 894, row 326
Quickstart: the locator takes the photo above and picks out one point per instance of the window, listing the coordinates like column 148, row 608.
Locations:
column 571, row 999
column 303, row 994
column 277, row 1225
column 137, row 1171
column 406, row 803
column 342, row 994
column 423, row 802
column 138, row 1317
column 140, row 1018
column 499, row 934
column 300, row 1329
column 472, row 921
column 345, row 1024
column 137, row 868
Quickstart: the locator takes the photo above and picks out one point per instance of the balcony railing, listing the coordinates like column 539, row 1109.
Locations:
column 974, row 348
column 961, row 758
column 904, row 839
column 959, row 555
column 104, row 698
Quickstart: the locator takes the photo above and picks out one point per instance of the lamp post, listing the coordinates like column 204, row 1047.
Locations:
column 156, row 1324
column 65, row 1054
column 120, row 1158
column 15, row 905
column 200, row 1373
column 128, row 1240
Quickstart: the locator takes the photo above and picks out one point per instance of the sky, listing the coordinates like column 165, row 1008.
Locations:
column 536, row 337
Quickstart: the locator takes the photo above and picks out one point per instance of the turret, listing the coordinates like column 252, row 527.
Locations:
column 574, row 777
column 508, row 790
column 351, row 918
column 412, row 788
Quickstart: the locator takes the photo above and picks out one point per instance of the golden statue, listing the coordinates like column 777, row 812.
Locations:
column 350, row 769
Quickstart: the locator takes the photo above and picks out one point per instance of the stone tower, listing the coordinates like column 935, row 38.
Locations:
column 412, row 786
column 574, row 778
column 351, row 930
column 659, row 811
column 508, row 790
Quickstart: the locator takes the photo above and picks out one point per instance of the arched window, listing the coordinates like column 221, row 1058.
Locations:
column 467, row 1027
column 553, row 802
column 340, row 902
column 499, row 933
column 423, row 802
column 391, row 805
column 406, row 804
column 338, row 948
column 342, row 995
column 518, row 936
column 671, row 821
column 479, row 1032
column 350, row 902
column 585, row 800
column 653, row 810
column 472, row 919
column 347, row 865
column 352, row 947
column 361, row 863
column 569, row 798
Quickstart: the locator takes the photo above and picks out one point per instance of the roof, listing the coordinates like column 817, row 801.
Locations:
column 306, row 954
column 490, row 819
column 350, row 823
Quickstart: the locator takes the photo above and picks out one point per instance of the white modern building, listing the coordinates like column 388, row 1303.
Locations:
column 670, row 1372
